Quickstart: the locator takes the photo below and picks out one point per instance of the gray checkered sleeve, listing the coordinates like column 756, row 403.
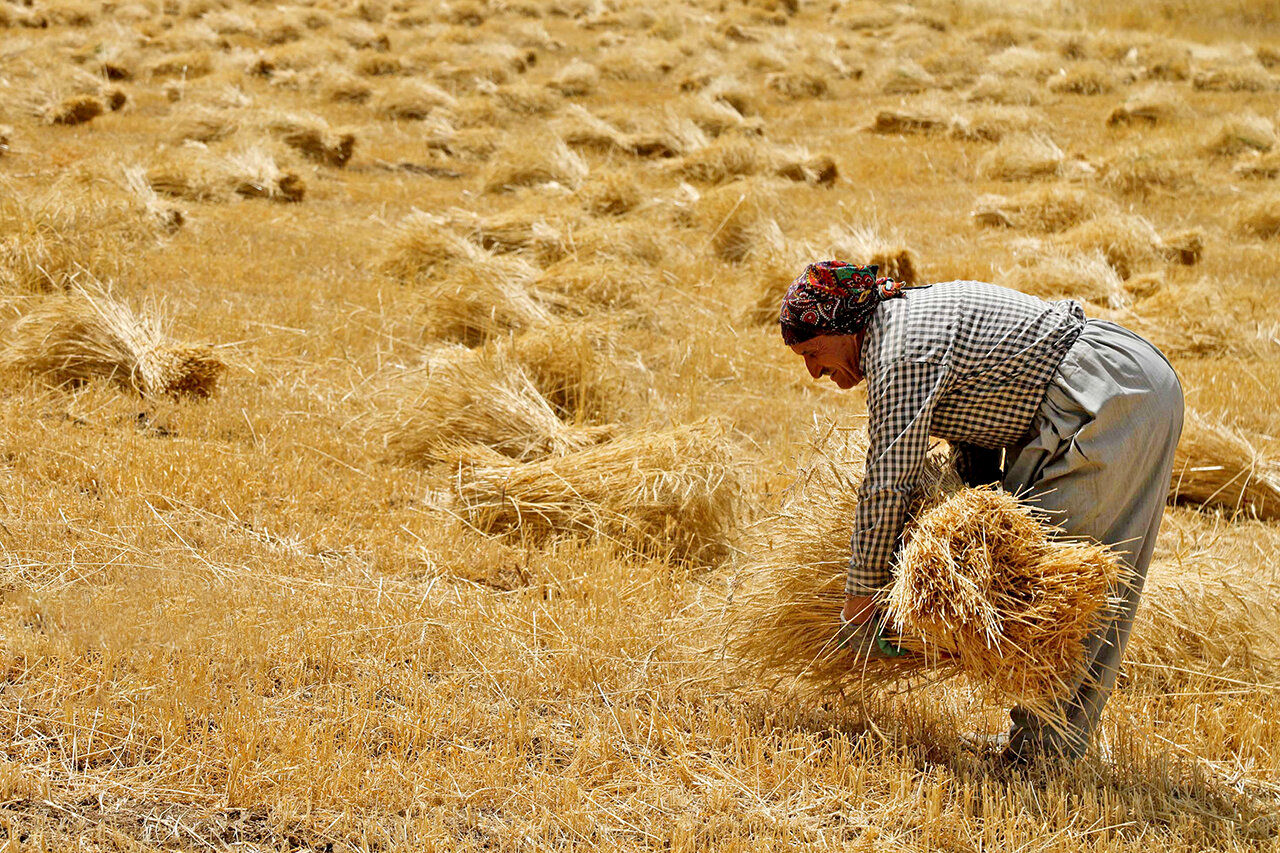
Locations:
column 900, row 405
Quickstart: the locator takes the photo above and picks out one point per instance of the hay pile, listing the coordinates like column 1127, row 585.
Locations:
column 981, row 589
column 194, row 173
column 81, row 336
column 669, row 493
column 465, row 397
column 1219, row 466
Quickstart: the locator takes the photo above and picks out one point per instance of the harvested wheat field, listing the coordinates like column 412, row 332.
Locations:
column 394, row 410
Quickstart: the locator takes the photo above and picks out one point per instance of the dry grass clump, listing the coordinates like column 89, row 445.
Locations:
column 423, row 244
column 530, row 229
column 1064, row 272
column 472, row 303
column 1048, row 209
column 802, row 167
column 673, row 493
column 411, row 100
column 1141, row 171
column 186, row 66
column 1151, row 106
column 81, row 336
column 576, row 79
column 725, row 159
column 915, row 118
column 1219, row 466
column 1234, row 77
column 797, row 85
column 1260, row 166
column 1085, row 78
column 462, row 397
column 611, row 193
column 902, row 76
column 993, row 123
column 984, row 582
column 590, row 286
column 203, row 123
column 1128, row 242
column 530, row 162
column 1237, row 134
column 574, row 366
column 1259, row 217
column 866, row 245
column 1022, row 157
column 76, row 109
column 1005, row 91
column 740, row 220
column 194, row 173
column 311, row 137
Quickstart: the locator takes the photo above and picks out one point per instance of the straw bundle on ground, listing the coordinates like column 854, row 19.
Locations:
column 1006, row 91
column 574, row 366
column 866, row 245
column 312, row 137
column 1141, row 170
column 471, row 303
column 411, row 100
column 723, row 160
column 1261, row 167
column 919, row 118
column 980, row 579
column 590, row 286
column 76, row 109
column 82, row 336
column 1234, row 77
column 1151, row 106
column 1052, row 208
column 1063, row 272
column 196, row 174
column 1238, row 134
column 1219, row 466
column 993, row 123
column 530, row 162
column 203, row 124
column 1259, row 217
column 1022, row 157
column 1085, row 78
column 1129, row 242
column 739, row 220
column 423, row 244
column 670, row 493
column 465, row 397
column 576, row 79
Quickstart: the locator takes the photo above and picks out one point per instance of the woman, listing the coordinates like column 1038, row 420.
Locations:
column 1085, row 414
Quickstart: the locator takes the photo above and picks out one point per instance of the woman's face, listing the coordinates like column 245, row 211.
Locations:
column 837, row 356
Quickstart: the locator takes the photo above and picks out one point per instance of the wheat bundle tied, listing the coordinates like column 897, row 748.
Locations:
column 80, row 336
column 982, row 588
column 1216, row 465
column 671, row 492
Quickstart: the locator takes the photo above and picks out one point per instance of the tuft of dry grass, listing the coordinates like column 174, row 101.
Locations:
column 725, row 159
column 472, row 303
column 1234, row 77
column 1022, row 157
column 1219, row 466
column 411, row 100
column 1084, row 78
column 81, row 336
column 1240, row 133
column 672, row 492
column 194, row 173
column 867, row 245
column 1129, row 242
column 1154, row 105
column 76, row 109
column 1259, row 217
column 1055, row 272
column 460, row 397
column 1048, row 209
column 312, row 137
column 534, row 162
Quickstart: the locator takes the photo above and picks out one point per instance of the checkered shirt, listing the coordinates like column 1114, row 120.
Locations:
column 963, row 361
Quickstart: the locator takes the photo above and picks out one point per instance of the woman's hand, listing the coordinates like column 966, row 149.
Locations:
column 857, row 609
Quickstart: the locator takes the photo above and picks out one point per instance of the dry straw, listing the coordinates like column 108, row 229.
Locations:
column 1022, row 157
column 1049, row 209
column 81, row 336
column 1216, row 465
column 1052, row 271
column 981, row 588
column 671, row 493
column 867, row 245
column 465, row 397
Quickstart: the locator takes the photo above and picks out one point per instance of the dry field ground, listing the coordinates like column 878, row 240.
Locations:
column 389, row 391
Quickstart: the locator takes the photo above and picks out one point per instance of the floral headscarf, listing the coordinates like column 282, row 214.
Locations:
column 833, row 298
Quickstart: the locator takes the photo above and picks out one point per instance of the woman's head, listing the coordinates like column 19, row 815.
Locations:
column 832, row 298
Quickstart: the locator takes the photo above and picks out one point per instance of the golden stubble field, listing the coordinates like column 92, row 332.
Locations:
column 360, row 268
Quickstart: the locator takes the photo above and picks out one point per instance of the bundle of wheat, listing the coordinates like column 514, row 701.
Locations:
column 203, row 124
column 1056, row 272
column 460, row 396
column 1006, row 91
column 1052, row 208
column 193, row 172
column 866, row 245
column 739, row 219
column 472, row 303
column 424, row 244
column 574, row 365
column 723, row 160
column 919, row 118
column 1262, row 166
column 1129, row 242
column 81, row 336
column 311, row 137
column 1022, row 157
column 993, row 123
column 589, row 286
column 1085, row 78
column 1141, row 170
column 673, row 493
column 1259, row 217
column 76, row 109
column 531, row 162
column 411, row 100
column 982, row 581
column 1238, row 134
column 576, row 79
column 1219, row 466
column 1249, row 76
column 1153, row 105
column 611, row 193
